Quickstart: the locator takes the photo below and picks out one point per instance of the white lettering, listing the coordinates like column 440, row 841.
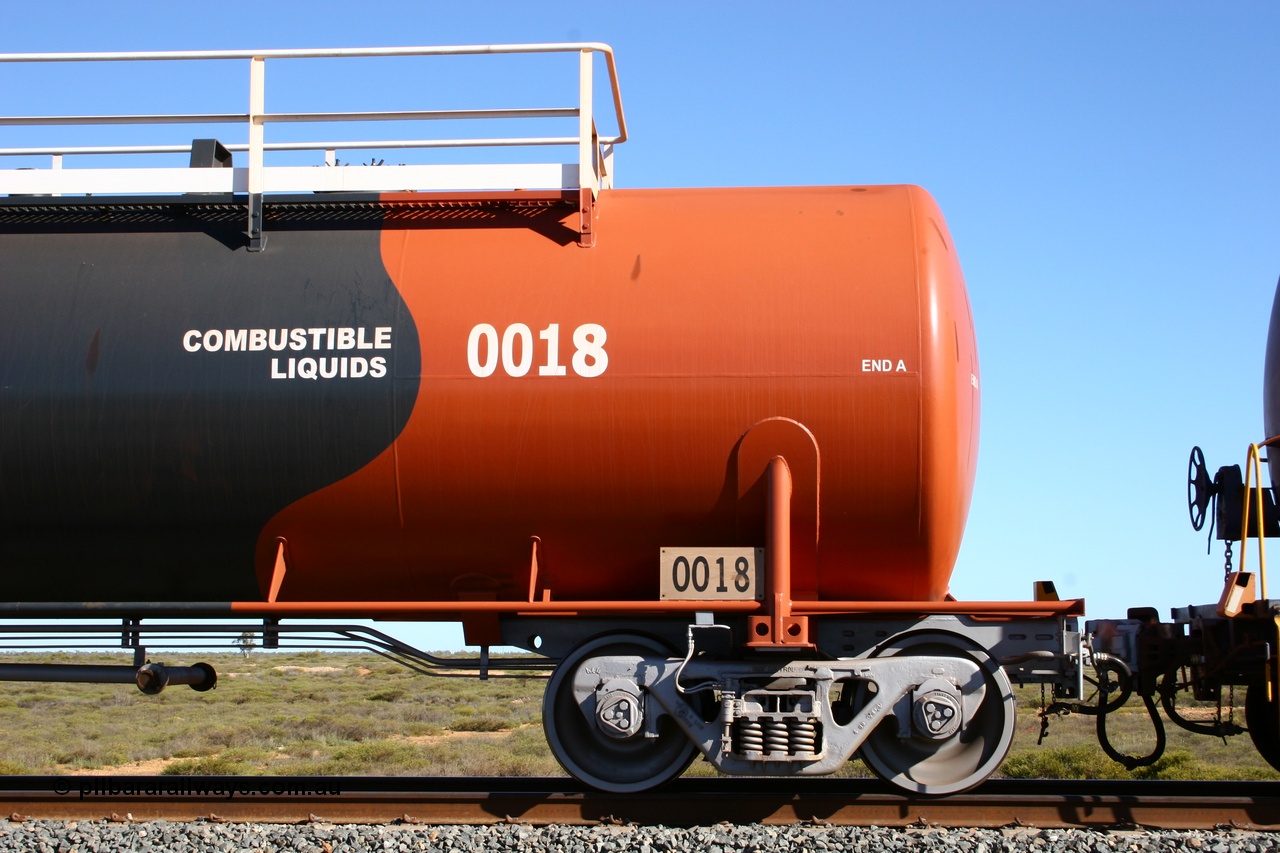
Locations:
column 517, row 331
column 589, row 357
column 902, row 366
column 553, row 367
column 589, row 338
column 345, row 338
column 490, row 336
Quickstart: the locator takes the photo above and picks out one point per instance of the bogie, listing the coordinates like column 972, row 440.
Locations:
column 931, row 713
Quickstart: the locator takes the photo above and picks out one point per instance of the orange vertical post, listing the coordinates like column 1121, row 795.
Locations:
column 778, row 629
column 777, row 544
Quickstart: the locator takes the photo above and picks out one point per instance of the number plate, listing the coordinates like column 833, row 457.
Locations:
column 712, row 574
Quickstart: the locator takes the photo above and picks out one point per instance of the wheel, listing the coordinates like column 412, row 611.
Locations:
column 1199, row 488
column 1263, row 719
column 933, row 766
column 607, row 761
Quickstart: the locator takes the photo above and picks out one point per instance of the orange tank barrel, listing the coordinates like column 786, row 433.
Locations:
column 597, row 400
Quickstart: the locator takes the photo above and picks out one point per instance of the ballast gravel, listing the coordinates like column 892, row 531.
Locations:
column 103, row 836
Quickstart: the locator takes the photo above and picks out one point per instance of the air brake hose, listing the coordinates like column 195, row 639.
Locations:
column 1106, row 665
column 1168, row 701
column 1130, row 762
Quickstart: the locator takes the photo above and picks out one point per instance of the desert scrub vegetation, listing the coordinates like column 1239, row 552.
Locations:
column 327, row 713
column 277, row 713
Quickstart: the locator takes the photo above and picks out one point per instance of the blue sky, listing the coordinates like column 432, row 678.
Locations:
column 1110, row 174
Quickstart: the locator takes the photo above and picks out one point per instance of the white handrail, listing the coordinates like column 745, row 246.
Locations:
column 335, row 53
column 331, row 145
column 593, row 169
column 273, row 118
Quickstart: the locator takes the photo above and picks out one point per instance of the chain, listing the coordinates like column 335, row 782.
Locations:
column 1049, row 709
column 1231, row 713
column 1226, row 570
column 1044, row 716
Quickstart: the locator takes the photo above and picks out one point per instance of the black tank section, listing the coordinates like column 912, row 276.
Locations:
column 1271, row 387
column 164, row 392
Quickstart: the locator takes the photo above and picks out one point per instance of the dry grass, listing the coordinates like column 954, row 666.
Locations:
column 287, row 714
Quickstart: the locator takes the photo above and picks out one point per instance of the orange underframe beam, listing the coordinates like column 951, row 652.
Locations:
column 421, row 609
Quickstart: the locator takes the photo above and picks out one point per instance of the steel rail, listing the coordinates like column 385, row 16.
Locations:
column 688, row 802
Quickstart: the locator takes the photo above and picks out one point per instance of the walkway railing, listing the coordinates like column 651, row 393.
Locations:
column 591, row 169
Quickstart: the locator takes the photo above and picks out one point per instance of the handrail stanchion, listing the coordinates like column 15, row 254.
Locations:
column 257, row 129
column 586, row 173
column 588, row 185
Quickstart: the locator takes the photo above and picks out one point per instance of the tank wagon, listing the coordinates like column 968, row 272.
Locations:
column 710, row 451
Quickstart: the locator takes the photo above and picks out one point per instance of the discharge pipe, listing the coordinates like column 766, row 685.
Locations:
column 150, row 678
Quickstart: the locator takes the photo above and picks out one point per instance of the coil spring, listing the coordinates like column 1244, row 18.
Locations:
column 804, row 736
column 776, row 736
column 750, row 736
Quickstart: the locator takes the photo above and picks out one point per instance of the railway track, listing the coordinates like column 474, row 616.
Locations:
column 688, row 802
